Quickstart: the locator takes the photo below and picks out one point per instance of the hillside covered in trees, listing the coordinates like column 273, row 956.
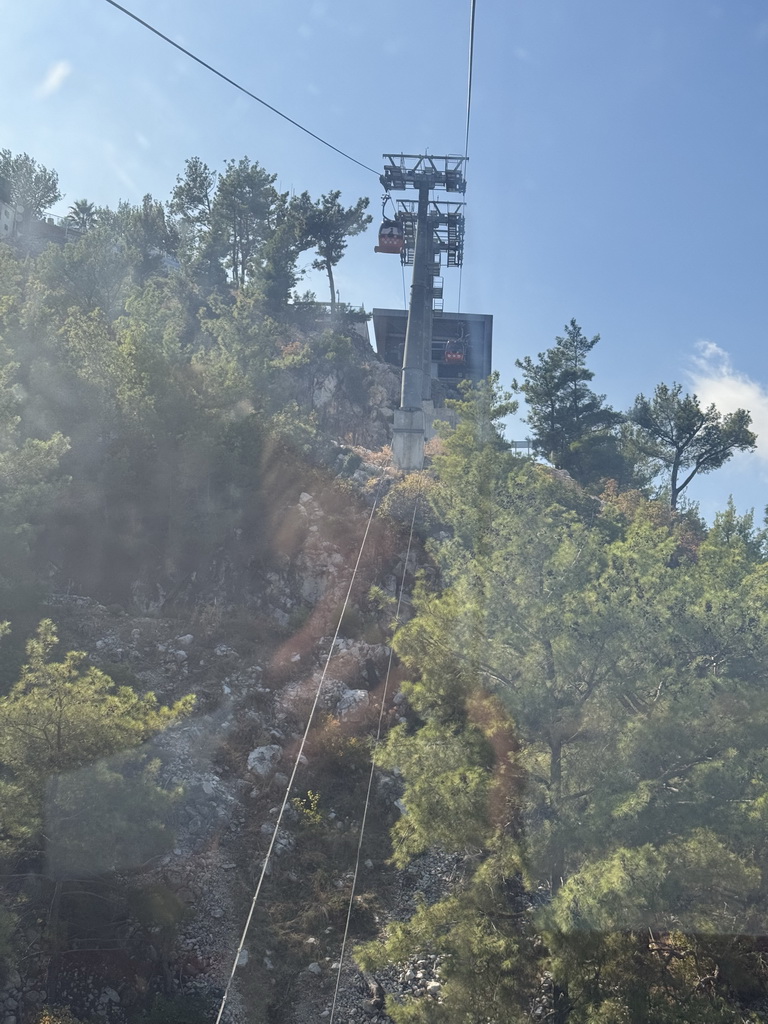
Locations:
column 588, row 732
column 575, row 722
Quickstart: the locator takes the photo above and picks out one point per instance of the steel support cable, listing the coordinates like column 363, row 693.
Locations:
column 297, row 761
column 376, row 744
column 470, row 65
column 242, row 88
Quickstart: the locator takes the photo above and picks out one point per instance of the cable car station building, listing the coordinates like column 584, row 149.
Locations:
column 461, row 347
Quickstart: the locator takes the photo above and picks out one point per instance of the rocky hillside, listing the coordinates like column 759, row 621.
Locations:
column 253, row 643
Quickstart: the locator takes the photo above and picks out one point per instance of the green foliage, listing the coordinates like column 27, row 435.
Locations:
column 308, row 809
column 82, row 215
column 488, row 961
column 695, row 884
column 28, row 183
column 570, row 425
column 738, row 533
column 242, row 212
column 57, row 1015
column 448, row 777
column 239, row 220
column 57, row 725
column 148, row 235
column 61, row 715
column 159, row 390
column 14, row 277
column 107, row 817
column 80, row 797
column 673, row 429
column 476, row 462
column 407, row 502
column 90, row 273
column 621, row 766
column 192, row 196
column 327, row 225
column 31, row 484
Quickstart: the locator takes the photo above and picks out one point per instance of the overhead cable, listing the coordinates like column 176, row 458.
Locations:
column 469, row 73
column 376, row 745
column 242, row 88
column 470, row 63
column 297, row 760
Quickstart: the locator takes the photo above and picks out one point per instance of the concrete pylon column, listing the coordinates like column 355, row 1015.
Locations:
column 408, row 440
column 408, row 430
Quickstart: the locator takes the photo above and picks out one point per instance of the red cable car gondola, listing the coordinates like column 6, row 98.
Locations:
column 455, row 352
column 391, row 237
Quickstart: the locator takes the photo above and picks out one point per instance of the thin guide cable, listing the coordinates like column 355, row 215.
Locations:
column 376, row 744
column 471, row 62
column 242, row 88
column 470, row 65
column 296, row 762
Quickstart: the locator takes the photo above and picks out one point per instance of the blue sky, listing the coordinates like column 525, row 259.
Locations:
column 618, row 156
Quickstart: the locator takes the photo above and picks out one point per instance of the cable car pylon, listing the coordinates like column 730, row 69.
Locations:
column 424, row 230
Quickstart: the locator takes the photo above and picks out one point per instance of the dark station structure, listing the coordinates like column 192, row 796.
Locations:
column 436, row 350
column 461, row 347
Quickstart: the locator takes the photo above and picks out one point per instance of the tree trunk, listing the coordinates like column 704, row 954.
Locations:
column 561, row 1003
column 674, row 489
column 329, row 268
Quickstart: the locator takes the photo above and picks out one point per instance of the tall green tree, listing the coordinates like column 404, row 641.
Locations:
column 278, row 274
column 475, row 467
column 191, row 207
column 192, row 196
column 244, row 213
column 60, row 717
column 686, row 439
column 151, row 239
column 29, row 184
column 571, row 426
column 79, row 793
column 89, row 273
column 328, row 225
column 82, row 215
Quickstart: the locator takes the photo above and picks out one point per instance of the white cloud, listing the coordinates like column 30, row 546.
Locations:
column 54, row 79
column 714, row 379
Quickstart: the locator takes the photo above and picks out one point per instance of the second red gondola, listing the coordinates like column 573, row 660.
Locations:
column 455, row 352
column 391, row 237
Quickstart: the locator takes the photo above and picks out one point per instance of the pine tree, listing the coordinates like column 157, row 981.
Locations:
column 615, row 806
column 570, row 425
column 673, row 429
